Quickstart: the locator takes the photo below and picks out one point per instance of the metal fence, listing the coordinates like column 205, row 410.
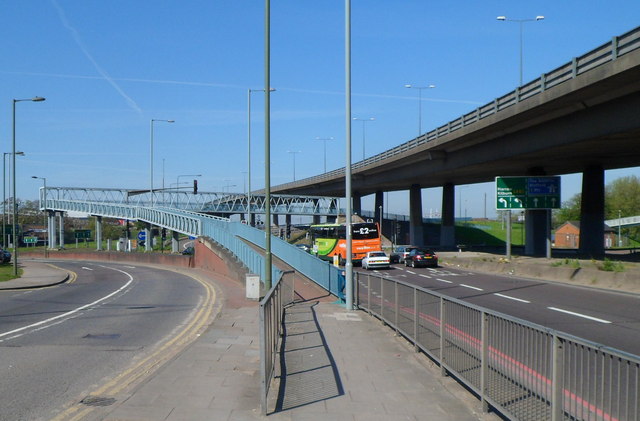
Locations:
column 271, row 329
column 523, row 370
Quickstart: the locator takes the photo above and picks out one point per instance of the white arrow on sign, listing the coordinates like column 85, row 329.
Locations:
column 503, row 201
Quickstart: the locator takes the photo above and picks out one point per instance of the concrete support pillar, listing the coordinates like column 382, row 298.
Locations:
column 98, row 233
column 274, row 217
column 61, row 229
column 592, row 213
column 148, row 244
column 535, row 224
column 51, row 227
column 448, row 227
column 175, row 245
column 357, row 203
column 252, row 220
column 316, row 219
column 379, row 207
column 416, row 229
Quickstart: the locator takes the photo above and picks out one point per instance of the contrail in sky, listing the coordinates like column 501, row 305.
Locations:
column 100, row 70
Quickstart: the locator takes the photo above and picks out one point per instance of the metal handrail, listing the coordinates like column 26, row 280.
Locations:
column 556, row 375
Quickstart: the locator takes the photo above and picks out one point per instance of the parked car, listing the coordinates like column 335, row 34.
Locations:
column 419, row 257
column 6, row 256
column 375, row 259
column 188, row 251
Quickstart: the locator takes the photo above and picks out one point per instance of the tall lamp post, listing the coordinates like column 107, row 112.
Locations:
column 151, row 155
column 520, row 22
column 324, row 139
column 294, row 162
column 4, row 197
column 419, row 88
column 15, row 205
column 249, row 91
column 364, row 120
column 44, row 208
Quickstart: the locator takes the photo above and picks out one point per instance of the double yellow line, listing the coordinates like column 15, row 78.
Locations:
column 151, row 363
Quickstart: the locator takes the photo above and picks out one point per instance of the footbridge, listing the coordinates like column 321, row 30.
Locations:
column 189, row 215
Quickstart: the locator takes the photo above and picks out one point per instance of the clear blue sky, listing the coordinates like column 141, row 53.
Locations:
column 108, row 67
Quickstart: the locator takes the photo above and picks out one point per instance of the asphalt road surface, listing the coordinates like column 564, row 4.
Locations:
column 59, row 343
column 608, row 318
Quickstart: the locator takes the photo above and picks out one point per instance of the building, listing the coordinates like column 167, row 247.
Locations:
column 568, row 235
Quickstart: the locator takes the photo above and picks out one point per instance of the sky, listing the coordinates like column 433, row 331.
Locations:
column 108, row 68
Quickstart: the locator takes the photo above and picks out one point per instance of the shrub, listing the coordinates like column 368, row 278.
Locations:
column 609, row 265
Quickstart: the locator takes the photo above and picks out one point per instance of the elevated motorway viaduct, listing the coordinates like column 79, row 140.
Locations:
column 580, row 118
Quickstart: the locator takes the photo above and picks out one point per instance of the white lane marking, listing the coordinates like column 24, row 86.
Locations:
column 469, row 286
column 129, row 267
column 86, row 268
column 425, row 276
column 444, row 280
column 69, row 313
column 512, row 298
column 413, row 273
column 584, row 316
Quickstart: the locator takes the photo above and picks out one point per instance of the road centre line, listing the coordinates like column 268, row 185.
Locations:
column 444, row 280
column 469, row 286
column 60, row 316
column 512, row 298
column 584, row 316
column 425, row 276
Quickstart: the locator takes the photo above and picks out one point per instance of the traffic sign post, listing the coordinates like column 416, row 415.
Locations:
column 533, row 193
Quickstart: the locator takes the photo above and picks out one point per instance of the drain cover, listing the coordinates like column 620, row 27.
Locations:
column 97, row 401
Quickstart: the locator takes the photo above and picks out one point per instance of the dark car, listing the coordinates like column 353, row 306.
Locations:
column 5, row 255
column 419, row 257
column 188, row 251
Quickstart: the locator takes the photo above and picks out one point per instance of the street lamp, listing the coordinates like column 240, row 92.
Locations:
column 364, row 120
column 324, row 139
column 419, row 88
column 294, row 162
column 520, row 22
column 4, row 195
column 151, row 155
column 44, row 207
column 249, row 91
column 15, row 206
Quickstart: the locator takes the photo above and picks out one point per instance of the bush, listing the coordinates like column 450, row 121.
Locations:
column 609, row 265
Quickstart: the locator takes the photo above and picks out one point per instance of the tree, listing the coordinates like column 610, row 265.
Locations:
column 621, row 198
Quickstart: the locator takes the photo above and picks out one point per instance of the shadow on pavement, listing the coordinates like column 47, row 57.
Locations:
column 308, row 372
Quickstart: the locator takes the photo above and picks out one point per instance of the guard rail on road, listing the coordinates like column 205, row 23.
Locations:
column 525, row 371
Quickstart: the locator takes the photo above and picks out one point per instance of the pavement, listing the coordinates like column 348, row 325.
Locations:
column 337, row 365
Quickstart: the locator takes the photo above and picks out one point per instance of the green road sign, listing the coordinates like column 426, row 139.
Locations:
column 527, row 193
column 80, row 234
column 30, row 240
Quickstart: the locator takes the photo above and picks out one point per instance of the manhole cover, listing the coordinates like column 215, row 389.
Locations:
column 98, row 401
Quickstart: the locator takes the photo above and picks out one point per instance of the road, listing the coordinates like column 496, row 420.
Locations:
column 608, row 318
column 58, row 344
